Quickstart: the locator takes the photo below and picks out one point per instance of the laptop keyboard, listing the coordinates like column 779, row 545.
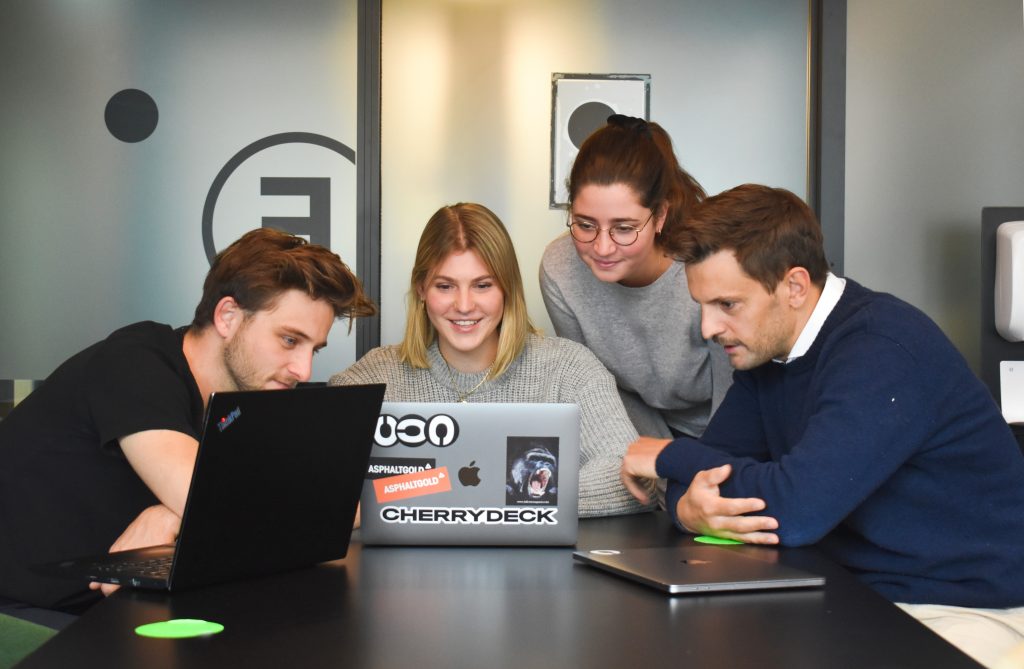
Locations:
column 158, row 567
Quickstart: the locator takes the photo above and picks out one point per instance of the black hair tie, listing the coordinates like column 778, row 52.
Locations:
column 631, row 123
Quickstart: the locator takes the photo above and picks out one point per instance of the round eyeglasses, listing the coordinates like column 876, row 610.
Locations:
column 622, row 234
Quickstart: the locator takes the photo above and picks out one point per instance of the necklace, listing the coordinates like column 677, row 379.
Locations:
column 455, row 387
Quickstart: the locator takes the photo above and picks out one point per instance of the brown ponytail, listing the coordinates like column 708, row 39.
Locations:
column 637, row 153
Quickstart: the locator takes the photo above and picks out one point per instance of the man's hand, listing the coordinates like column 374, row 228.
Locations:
column 155, row 526
column 638, row 468
column 703, row 510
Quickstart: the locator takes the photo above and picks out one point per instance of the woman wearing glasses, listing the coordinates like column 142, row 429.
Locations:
column 468, row 338
column 608, row 284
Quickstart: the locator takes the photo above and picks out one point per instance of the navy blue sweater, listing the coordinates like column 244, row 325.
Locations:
column 882, row 446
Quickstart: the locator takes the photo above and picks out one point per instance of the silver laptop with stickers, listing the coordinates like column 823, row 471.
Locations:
column 473, row 474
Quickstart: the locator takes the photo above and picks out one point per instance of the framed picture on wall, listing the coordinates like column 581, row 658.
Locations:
column 580, row 104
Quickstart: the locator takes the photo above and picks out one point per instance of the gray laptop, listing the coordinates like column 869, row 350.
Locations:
column 473, row 474
column 680, row 570
column 275, row 487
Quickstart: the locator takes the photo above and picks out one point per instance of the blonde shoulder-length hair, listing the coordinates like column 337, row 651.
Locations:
column 454, row 229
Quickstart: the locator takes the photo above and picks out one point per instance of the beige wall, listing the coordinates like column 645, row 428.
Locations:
column 466, row 106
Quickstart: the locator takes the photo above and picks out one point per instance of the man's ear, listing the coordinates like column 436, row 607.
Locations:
column 228, row 317
column 798, row 285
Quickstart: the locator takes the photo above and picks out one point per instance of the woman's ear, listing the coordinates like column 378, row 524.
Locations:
column 660, row 216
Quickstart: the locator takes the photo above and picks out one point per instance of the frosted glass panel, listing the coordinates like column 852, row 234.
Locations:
column 98, row 232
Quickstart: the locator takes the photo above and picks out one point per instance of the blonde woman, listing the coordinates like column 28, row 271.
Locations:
column 468, row 338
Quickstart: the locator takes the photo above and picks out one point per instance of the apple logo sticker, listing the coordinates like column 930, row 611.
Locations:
column 469, row 475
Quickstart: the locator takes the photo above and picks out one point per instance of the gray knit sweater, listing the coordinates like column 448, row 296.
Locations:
column 550, row 369
column 648, row 337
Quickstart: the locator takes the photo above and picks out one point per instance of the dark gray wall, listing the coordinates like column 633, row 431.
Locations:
column 935, row 98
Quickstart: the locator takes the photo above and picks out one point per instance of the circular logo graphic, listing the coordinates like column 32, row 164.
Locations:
column 131, row 115
column 587, row 118
column 278, row 186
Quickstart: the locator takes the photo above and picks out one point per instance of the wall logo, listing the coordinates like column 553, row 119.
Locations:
column 300, row 174
column 131, row 115
column 290, row 165
column 439, row 430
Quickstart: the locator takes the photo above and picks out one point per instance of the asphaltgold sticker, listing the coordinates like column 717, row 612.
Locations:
column 416, row 484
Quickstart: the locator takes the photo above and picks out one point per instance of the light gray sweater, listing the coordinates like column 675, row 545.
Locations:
column 648, row 337
column 550, row 369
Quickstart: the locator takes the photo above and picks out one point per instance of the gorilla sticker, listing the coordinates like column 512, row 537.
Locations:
column 532, row 471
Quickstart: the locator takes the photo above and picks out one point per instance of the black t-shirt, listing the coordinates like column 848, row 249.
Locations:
column 66, row 489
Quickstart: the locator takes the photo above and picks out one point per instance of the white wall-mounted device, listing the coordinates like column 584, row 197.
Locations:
column 1011, row 387
column 1009, row 287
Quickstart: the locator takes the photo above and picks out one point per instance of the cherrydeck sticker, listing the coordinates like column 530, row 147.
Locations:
column 416, row 484
column 464, row 515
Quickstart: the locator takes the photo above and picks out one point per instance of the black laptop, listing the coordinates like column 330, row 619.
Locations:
column 275, row 487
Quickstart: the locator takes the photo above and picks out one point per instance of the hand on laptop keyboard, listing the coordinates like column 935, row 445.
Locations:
column 156, row 525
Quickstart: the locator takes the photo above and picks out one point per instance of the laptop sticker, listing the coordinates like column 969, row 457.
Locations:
column 381, row 468
column 532, row 471
column 413, row 430
column 416, row 484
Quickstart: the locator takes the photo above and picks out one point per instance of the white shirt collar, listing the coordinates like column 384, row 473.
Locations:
column 828, row 300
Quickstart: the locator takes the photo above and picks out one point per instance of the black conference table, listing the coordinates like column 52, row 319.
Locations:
column 422, row 607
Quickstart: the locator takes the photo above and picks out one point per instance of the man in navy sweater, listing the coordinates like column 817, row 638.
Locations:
column 852, row 423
